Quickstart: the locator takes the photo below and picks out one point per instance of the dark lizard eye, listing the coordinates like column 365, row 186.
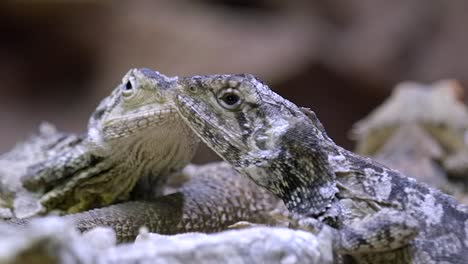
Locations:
column 194, row 89
column 128, row 89
column 230, row 100
column 128, row 86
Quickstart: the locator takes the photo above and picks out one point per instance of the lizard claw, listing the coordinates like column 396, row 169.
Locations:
column 242, row 225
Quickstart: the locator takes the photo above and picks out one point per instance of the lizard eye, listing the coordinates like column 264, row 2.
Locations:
column 193, row 89
column 230, row 99
column 128, row 88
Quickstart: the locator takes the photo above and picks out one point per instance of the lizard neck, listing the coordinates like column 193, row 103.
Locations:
column 299, row 170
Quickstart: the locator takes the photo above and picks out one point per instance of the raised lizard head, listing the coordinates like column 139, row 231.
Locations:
column 135, row 138
column 138, row 121
column 134, row 106
column 262, row 135
column 138, row 125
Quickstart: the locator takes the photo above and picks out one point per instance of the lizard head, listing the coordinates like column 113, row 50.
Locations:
column 226, row 111
column 137, row 103
column 138, row 130
column 139, row 118
column 257, row 131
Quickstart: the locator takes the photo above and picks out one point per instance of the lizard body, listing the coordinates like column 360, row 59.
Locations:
column 135, row 140
column 75, row 170
column 213, row 198
column 286, row 150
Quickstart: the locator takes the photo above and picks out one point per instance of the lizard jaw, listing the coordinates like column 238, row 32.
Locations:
column 223, row 142
column 127, row 125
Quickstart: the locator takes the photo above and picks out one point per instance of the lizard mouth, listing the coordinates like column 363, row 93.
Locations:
column 130, row 124
column 208, row 127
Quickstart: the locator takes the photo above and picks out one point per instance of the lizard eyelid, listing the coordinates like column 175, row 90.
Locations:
column 128, row 89
column 230, row 99
column 193, row 89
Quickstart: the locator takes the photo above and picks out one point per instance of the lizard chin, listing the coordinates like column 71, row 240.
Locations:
column 128, row 125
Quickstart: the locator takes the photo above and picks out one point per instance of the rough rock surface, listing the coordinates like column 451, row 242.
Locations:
column 53, row 240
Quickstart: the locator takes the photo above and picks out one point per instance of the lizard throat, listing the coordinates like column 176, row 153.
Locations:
column 305, row 189
column 307, row 194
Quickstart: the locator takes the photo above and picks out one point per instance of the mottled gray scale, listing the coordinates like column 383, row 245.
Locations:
column 394, row 219
column 241, row 121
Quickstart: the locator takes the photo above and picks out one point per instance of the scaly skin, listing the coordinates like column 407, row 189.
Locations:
column 414, row 152
column 214, row 198
column 285, row 149
column 135, row 140
column 14, row 164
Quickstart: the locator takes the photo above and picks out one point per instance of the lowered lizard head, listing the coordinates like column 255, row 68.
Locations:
column 253, row 128
column 135, row 138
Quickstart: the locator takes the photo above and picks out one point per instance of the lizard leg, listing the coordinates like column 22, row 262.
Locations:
column 243, row 225
column 383, row 231
column 63, row 194
column 45, row 175
column 96, row 186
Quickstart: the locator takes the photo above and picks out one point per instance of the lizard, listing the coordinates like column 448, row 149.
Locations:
column 212, row 198
column 419, row 130
column 134, row 141
column 286, row 150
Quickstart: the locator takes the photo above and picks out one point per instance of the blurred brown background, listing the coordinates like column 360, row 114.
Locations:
column 341, row 58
